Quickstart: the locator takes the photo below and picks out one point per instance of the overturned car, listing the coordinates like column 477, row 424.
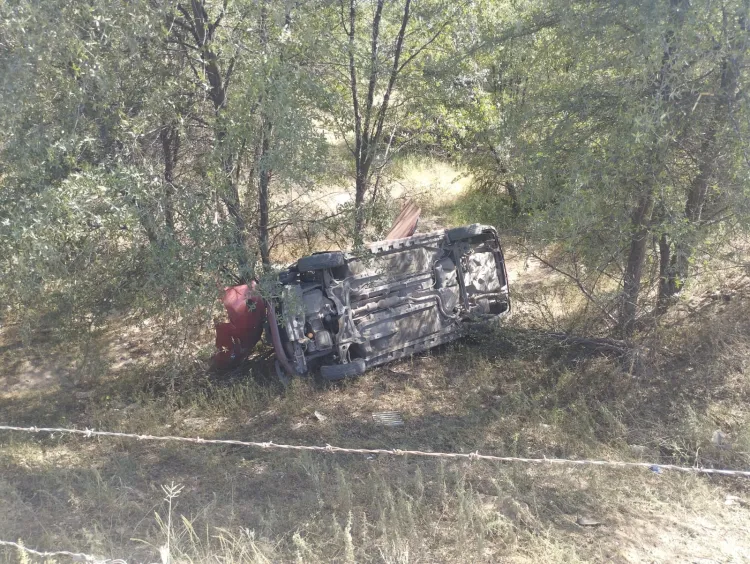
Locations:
column 343, row 313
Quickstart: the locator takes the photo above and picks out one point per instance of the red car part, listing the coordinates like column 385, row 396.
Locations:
column 246, row 310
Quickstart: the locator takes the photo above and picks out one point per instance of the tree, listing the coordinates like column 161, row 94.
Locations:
column 713, row 135
column 379, row 67
column 129, row 142
column 611, row 145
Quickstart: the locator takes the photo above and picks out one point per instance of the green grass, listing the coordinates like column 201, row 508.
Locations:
column 476, row 205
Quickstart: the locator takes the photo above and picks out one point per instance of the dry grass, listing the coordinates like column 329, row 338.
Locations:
column 429, row 182
column 508, row 391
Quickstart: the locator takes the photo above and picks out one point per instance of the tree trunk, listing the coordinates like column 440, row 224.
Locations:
column 148, row 224
column 515, row 203
column 202, row 30
column 238, row 238
column 264, row 172
column 369, row 131
column 668, row 284
column 170, row 141
column 230, row 195
column 694, row 207
column 264, row 179
column 642, row 214
column 360, row 190
column 708, row 153
column 640, row 221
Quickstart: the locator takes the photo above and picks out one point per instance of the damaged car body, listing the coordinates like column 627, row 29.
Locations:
column 343, row 313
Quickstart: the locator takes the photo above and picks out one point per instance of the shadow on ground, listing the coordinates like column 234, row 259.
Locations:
column 509, row 392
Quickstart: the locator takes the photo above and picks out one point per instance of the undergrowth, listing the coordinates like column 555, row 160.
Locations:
column 512, row 390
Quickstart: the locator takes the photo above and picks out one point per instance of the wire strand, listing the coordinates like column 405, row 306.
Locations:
column 380, row 451
column 77, row 556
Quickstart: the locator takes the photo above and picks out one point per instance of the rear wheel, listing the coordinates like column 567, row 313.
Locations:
column 340, row 371
column 465, row 232
column 321, row 261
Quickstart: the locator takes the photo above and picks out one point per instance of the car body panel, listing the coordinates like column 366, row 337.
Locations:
column 246, row 311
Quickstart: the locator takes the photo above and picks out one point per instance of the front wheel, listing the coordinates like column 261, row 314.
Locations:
column 321, row 261
column 334, row 372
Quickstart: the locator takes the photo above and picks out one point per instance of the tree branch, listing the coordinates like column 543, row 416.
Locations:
column 228, row 75
column 353, row 83
column 578, row 283
column 373, row 69
column 191, row 24
column 424, row 46
column 343, row 21
column 394, row 73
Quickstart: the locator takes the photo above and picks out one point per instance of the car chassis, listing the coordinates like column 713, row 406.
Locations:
column 343, row 313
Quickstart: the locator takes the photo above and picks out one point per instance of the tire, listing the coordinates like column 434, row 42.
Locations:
column 321, row 261
column 288, row 277
column 465, row 232
column 340, row 371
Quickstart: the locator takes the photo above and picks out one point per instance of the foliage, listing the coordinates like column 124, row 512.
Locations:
column 154, row 150
column 609, row 127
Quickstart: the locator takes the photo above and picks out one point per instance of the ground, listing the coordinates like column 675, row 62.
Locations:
column 508, row 390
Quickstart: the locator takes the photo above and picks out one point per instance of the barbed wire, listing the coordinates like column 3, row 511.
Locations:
column 382, row 451
column 76, row 556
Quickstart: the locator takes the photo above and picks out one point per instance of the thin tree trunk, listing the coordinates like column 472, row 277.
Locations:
column 515, row 203
column 360, row 178
column 668, row 284
column 694, row 208
column 640, row 222
column 369, row 131
column 264, row 172
column 230, row 195
column 696, row 198
column 708, row 153
column 170, row 140
column 238, row 238
column 202, row 30
column 148, row 224
column 643, row 212
column 147, row 219
column 360, row 190
column 264, row 179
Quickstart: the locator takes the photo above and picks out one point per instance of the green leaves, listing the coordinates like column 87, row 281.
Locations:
column 136, row 146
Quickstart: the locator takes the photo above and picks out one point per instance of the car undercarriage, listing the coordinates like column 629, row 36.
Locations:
column 343, row 313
